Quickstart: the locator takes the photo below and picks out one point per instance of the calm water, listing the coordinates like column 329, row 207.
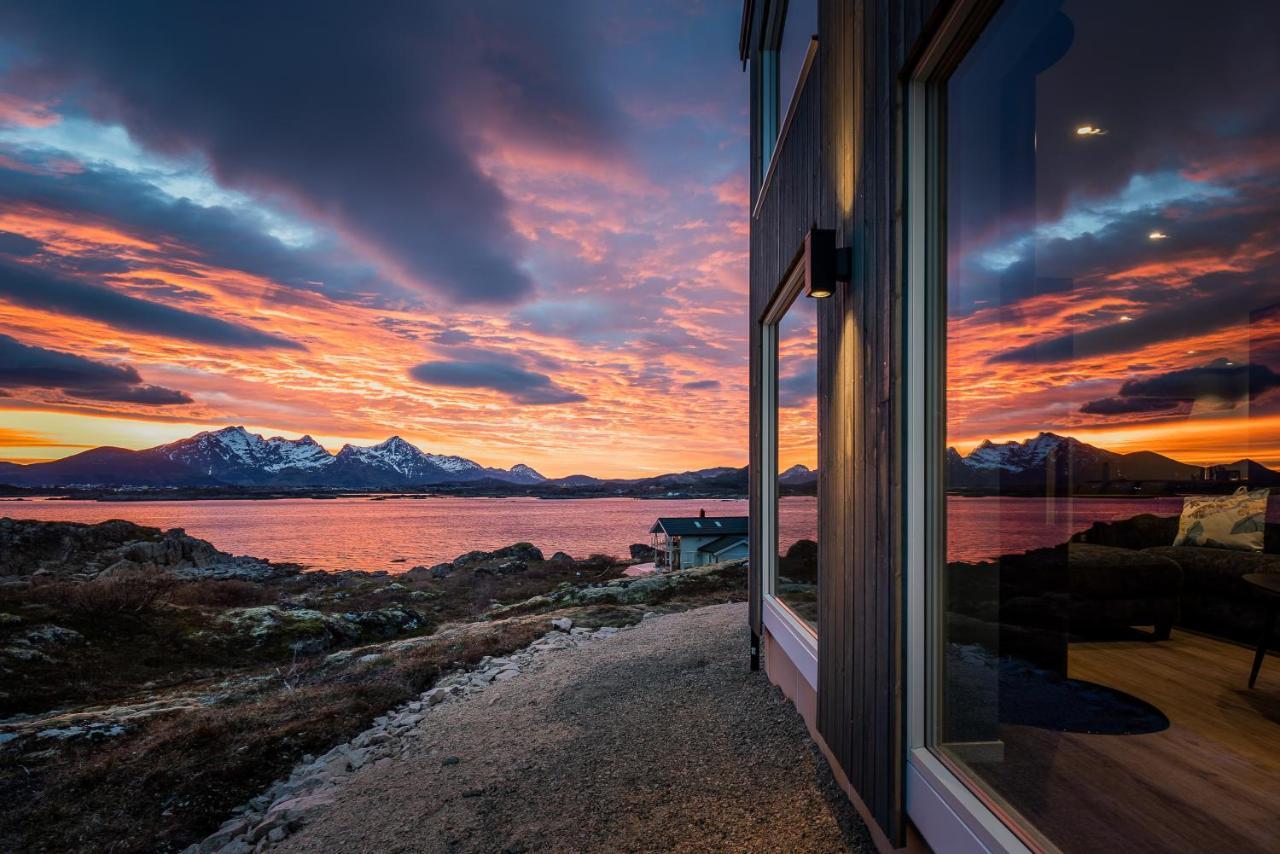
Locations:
column 360, row 533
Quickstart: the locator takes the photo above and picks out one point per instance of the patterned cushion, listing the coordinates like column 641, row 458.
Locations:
column 1236, row 521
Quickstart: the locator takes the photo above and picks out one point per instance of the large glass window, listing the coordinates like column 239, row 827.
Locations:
column 794, row 570
column 1108, row 230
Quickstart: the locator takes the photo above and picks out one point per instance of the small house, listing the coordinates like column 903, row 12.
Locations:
column 679, row 543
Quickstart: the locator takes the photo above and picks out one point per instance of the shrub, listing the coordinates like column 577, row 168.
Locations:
column 128, row 592
column 230, row 593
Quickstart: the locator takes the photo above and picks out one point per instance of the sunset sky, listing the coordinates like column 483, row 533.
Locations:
column 516, row 232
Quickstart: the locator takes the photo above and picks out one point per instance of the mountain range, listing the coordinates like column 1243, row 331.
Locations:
column 1065, row 462
column 234, row 457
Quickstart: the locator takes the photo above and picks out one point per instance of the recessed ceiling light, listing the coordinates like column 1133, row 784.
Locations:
column 1089, row 130
column 1157, row 235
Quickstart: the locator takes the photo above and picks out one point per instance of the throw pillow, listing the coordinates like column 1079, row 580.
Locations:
column 1236, row 521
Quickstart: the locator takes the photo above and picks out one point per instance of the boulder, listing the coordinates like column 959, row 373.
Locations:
column 76, row 551
column 562, row 557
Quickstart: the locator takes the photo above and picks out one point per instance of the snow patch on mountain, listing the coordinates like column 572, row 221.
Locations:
column 525, row 473
column 1018, row 456
column 453, row 464
column 213, row 450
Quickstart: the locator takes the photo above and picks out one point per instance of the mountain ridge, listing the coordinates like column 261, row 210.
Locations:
column 233, row 456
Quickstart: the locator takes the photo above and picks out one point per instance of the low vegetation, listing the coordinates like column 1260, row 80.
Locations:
column 144, row 705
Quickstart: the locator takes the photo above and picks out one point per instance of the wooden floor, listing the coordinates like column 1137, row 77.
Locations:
column 1210, row 782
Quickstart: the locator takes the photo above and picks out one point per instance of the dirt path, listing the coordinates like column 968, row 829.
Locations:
column 657, row 739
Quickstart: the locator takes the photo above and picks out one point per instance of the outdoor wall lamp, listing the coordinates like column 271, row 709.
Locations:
column 824, row 264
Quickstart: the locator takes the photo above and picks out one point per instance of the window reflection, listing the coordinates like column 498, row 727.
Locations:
column 796, row 581
column 1113, row 421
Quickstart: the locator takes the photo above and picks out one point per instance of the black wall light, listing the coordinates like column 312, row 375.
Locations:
column 824, row 264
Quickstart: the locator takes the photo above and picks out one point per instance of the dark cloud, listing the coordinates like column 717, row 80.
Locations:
column 799, row 389
column 18, row 245
column 698, row 385
column 37, row 288
column 522, row 386
column 368, row 119
column 187, row 232
column 26, row 366
column 1130, row 405
column 1215, row 301
column 1221, row 382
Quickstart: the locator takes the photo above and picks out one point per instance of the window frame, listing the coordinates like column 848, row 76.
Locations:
column 799, row 640
column 941, row 798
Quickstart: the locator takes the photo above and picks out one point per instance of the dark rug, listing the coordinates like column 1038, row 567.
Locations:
column 1037, row 698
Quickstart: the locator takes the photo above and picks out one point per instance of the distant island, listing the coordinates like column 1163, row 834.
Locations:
column 235, row 463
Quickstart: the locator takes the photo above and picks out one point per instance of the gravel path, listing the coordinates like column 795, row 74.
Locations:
column 658, row 738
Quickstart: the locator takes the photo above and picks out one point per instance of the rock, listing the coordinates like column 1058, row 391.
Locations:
column 52, row 636
column 435, row 696
column 562, row 557
column 450, row 760
column 439, row 570
column 507, row 675
column 563, row 624
column 76, row 551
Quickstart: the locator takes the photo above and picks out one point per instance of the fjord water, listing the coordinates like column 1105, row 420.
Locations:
column 364, row 533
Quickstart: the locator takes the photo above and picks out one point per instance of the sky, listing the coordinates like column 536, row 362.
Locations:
column 1114, row 230
column 511, row 231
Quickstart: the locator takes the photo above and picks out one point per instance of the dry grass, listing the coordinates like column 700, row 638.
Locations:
column 132, row 592
column 177, row 778
column 222, row 594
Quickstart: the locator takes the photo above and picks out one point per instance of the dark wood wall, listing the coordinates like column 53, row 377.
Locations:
column 838, row 168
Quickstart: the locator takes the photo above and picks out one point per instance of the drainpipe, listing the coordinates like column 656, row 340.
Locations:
column 755, row 651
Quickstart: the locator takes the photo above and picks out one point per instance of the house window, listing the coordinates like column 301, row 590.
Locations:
column 791, row 451
column 780, row 66
column 1096, row 224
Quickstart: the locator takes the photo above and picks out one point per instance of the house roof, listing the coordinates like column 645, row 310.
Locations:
column 720, row 544
column 693, row 526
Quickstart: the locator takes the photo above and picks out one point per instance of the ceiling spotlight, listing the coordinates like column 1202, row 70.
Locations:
column 1157, row 235
column 1089, row 130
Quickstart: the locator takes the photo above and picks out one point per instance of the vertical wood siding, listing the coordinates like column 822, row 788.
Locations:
column 838, row 168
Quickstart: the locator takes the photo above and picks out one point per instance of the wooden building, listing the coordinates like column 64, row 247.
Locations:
column 873, row 121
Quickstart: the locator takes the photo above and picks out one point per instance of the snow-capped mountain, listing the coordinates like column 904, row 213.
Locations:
column 235, row 455
column 232, row 456
column 454, row 465
column 393, row 462
column 1063, row 460
column 798, row 474
column 521, row 473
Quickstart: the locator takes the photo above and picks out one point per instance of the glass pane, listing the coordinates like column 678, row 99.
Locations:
column 796, row 583
column 1113, row 422
column 798, row 30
